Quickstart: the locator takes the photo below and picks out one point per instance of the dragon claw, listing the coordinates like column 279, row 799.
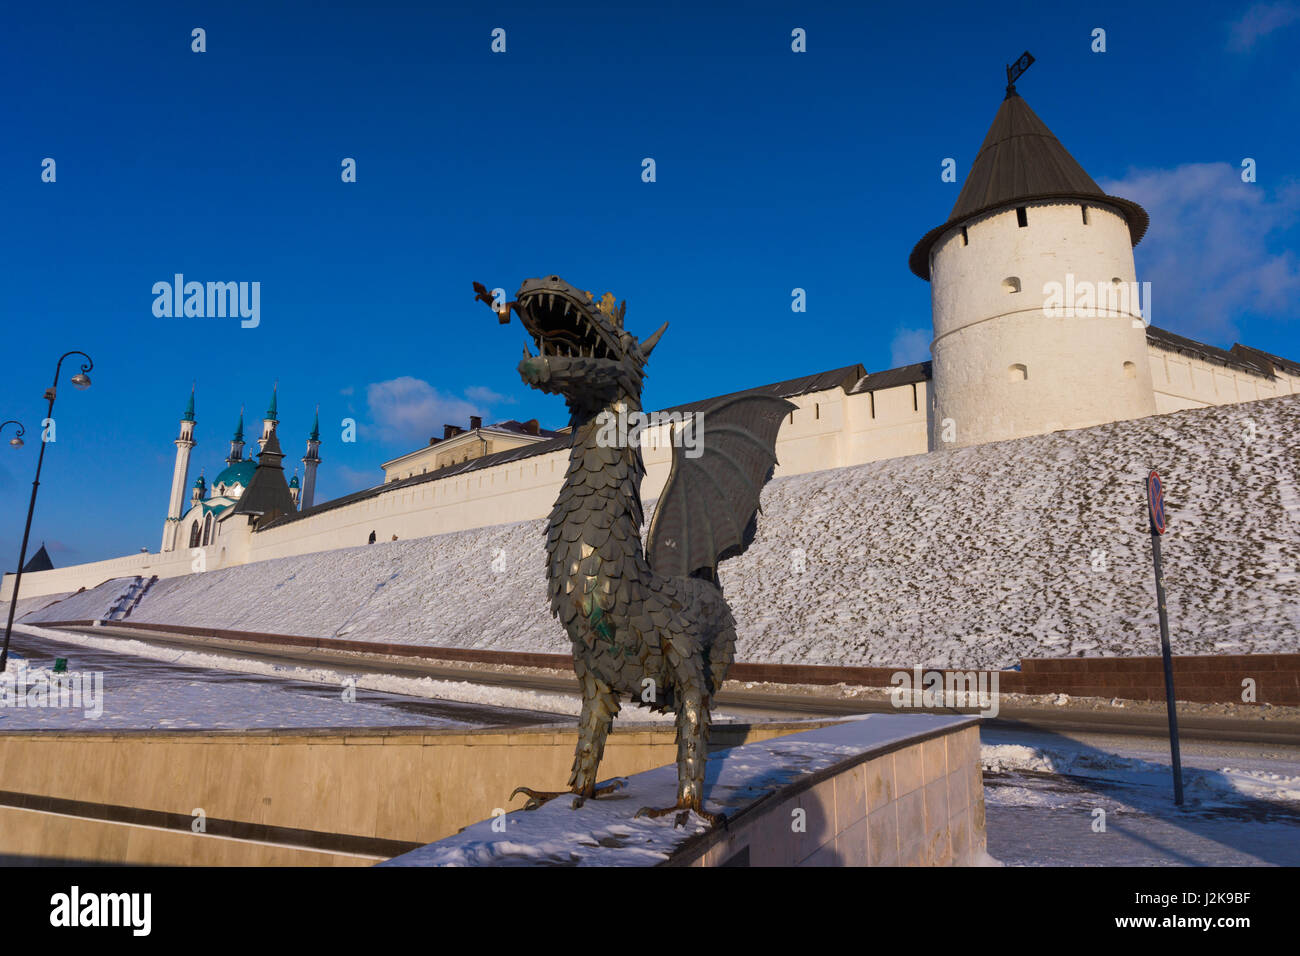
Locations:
column 581, row 798
column 683, row 810
column 536, row 798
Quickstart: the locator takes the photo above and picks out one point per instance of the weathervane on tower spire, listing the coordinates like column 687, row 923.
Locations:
column 1016, row 70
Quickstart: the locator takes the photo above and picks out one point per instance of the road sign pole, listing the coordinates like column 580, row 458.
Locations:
column 1156, row 508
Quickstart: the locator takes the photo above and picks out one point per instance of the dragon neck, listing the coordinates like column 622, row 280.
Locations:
column 592, row 432
column 603, row 500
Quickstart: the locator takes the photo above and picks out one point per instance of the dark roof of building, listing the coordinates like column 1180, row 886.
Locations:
column 1162, row 338
column 40, row 561
column 522, row 428
column 1276, row 362
column 267, row 493
column 1022, row 161
column 891, row 378
column 804, row 385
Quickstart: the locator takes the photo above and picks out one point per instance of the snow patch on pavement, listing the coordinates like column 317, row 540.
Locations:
column 424, row 687
column 1207, row 787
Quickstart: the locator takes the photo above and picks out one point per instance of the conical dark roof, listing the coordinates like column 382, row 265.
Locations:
column 1022, row 161
column 267, row 493
column 40, row 561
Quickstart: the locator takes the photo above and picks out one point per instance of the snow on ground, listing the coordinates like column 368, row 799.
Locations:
column 427, row 688
column 32, row 604
column 119, row 698
column 84, row 605
column 972, row 557
column 1223, row 786
column 1052, row 800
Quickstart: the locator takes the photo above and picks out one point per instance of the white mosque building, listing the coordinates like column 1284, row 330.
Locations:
column 247, row 493
column 1038, row 327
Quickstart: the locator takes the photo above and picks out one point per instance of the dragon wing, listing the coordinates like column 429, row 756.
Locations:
column 709, row 506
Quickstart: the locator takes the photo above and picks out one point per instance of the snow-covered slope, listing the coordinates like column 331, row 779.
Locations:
column 28, row 605
column 973, row 557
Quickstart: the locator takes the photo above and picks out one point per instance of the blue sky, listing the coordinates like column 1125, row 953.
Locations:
column 775, row 170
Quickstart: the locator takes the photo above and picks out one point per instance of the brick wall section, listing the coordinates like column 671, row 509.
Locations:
column 1213, row 678
column 1209, row 678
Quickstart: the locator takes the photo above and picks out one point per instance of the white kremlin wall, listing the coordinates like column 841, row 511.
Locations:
column 1183, row 381
column 829, row 429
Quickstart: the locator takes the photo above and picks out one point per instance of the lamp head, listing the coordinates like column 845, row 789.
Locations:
column 81, row 380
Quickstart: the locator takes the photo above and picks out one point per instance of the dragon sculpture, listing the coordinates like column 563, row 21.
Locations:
column 648, row 624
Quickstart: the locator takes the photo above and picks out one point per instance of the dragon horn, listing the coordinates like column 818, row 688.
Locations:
column 648, row 345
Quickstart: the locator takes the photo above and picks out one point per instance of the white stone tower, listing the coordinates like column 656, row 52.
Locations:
column 309, row 463
column 1031, row 231
column 180, row 476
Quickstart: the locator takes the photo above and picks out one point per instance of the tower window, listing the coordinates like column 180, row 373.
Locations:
column 1011, row 284
column 1085, row 214
column 1022, row 219
column 1130, row 370
column 915, row 407
column 965, row 239
column 1017, row 373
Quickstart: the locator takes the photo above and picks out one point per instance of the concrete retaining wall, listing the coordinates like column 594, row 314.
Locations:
column 301, row 798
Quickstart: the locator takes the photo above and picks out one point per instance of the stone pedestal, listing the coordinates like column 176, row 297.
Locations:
column 880, row 790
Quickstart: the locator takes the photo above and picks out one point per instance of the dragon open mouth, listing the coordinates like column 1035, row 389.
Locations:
column 562, row 326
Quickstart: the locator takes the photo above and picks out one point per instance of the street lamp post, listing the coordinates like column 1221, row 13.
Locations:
column 17, row 440
column 82, row 381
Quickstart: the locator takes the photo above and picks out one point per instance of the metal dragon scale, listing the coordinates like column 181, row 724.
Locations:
column 650, row 624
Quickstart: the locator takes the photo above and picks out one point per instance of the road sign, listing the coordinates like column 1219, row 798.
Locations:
column 1156, row 502
column 1156, row 512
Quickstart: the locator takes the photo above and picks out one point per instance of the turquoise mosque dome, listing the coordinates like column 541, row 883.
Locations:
column 240, row 473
